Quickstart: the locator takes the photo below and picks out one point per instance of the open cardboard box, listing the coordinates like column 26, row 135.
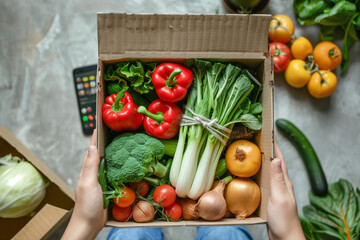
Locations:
column 52, row 212
column 154, row 37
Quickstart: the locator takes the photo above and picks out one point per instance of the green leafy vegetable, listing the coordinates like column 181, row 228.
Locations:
column 350, row 38
column 137, row 74
column 309, row 229
column 22, row 187
column 336, row 215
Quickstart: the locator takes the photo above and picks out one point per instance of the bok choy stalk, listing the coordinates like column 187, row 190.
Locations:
column 232, row 92
column 193, row 134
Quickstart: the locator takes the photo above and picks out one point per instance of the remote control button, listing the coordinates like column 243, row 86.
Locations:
column 85, row 79
column 90, row 117
column 91, row 125
column 85, row 118
column 78, row 79
column 92, row 77
column 83, row 110
column 89, row 109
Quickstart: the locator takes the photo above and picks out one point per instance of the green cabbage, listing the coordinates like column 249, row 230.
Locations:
column 22, row 187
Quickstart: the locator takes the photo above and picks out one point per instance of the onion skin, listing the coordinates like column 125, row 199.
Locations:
column 212, row 204
column 143, row 212
column 189, row 208
column 242, row 197
column 243, row 158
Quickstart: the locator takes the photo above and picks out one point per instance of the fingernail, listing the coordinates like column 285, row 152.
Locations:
column 277, row 164
column 91, row 149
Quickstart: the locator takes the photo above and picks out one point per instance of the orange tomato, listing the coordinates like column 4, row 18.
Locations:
column 296, row 73
column 281, row 29
column 322, row 85
column 327, row 55
column 301, row 48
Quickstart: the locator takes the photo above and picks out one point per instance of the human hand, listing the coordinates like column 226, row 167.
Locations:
column 88, row 217
column 283, row 219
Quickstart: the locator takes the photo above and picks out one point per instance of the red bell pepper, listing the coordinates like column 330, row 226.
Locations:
column 162, row 119
column 119, row 112
column 171, row 81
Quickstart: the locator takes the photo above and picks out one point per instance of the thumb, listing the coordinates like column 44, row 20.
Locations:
column 277, row 179
column 91, row 163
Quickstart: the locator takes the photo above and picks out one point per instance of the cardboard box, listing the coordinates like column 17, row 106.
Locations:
column 53, row 210
column 150, row 37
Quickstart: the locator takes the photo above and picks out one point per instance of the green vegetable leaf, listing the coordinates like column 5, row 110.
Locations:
column 136, row 74
column 338, row 15
column 245, row 106
column 250, row 121
column 336, row 214
column 356, row 22
column 308, row 229
column 350, row 38
column 327, row 33
column 307, row 10
column 255, row 108
column 323, row 12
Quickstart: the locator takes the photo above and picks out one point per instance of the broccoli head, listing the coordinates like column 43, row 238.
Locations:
column 132, row 156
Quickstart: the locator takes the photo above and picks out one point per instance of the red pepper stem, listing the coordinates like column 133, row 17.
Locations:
column 117, row 106
column 158, row 117
column 171, row 80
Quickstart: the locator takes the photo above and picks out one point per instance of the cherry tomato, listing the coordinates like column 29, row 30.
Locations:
column 142, row 186
column 296, row 74
column 281, row 54
column 321, row 86
column 327, row 55
column 281, row 29
column 127, row 200
column 121, row 214
column 174, row 211
column 166, row 193
column 301, row 48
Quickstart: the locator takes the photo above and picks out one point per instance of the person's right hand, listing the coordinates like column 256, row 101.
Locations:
column 283, row 219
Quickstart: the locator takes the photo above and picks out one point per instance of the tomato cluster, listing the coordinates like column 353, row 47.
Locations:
column 310, row 66
column 163, row 195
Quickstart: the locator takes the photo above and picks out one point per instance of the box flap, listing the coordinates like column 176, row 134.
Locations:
column 28, row 155
column 123, row 35
column 41, row 223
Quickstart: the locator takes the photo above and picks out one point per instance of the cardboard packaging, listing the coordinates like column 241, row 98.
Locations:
column 52, row 212
column 154, row 37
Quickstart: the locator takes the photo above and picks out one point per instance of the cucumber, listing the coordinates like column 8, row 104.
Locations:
column 312, row 164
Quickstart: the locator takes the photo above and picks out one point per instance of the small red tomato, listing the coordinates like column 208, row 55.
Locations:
column 166, row 194
column 282, row 56
column 174, row 211
column 142, row 187
column 121, row 214
column 127, row 200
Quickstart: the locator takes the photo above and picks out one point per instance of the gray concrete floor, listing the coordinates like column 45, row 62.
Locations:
column 42, row 41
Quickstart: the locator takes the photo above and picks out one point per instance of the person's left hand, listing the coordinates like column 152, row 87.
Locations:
column 88, row 217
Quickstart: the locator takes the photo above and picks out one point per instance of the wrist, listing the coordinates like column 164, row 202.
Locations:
column 80, row 229
column 292, row 231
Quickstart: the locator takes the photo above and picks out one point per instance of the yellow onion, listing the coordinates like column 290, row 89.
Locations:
column 189, row 208
column 143, row 212
column 212, row 204
column 242, row 197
